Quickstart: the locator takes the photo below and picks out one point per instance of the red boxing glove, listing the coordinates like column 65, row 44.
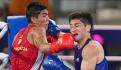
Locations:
column 66, row 41
column 51, row 39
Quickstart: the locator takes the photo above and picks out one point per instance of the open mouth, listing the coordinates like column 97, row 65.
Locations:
column 75, row 34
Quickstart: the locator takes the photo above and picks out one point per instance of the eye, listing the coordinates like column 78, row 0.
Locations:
column 45, row 14
column 77, row 25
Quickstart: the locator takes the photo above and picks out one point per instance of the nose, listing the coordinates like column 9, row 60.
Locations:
column 47, row 18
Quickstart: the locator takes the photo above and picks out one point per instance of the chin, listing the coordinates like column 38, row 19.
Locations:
column 76, row 39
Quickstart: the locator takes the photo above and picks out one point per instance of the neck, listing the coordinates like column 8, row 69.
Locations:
column 36, row 24
column 83, row 40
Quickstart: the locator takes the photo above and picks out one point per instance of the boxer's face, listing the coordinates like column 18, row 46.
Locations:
column 77, row 28
column 42, row 18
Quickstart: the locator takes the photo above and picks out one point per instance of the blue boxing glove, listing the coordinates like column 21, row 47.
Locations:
column 52, row 28
column 52, row 62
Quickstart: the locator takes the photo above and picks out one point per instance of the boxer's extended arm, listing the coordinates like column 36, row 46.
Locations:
column 39, row 40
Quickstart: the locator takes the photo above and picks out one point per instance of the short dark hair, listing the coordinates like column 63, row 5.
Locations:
column 33, row 9
column 84, row 17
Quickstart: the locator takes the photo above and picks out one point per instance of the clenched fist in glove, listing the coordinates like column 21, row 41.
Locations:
column 66, row 41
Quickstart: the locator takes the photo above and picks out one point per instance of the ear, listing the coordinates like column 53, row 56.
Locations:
column 88, row 27
column 34, row 20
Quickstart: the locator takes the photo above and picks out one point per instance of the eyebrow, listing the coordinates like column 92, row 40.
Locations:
column 75, row 24
column 45, row 13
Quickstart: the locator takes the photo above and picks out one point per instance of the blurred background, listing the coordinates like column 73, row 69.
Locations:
column 105, row 12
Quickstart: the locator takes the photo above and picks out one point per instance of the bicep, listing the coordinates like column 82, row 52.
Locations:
column 89, row 58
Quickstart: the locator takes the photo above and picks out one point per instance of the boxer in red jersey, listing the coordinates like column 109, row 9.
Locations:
column 30, row 44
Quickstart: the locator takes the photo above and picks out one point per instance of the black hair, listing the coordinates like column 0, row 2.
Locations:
column 84, row 17
column 33, row 9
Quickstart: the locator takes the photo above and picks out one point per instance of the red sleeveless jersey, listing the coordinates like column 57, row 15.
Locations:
column 24, row 55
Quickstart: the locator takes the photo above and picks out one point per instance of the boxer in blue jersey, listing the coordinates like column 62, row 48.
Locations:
column 89, row 54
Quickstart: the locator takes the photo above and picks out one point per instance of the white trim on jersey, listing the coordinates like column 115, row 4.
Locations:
column 38, row 61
